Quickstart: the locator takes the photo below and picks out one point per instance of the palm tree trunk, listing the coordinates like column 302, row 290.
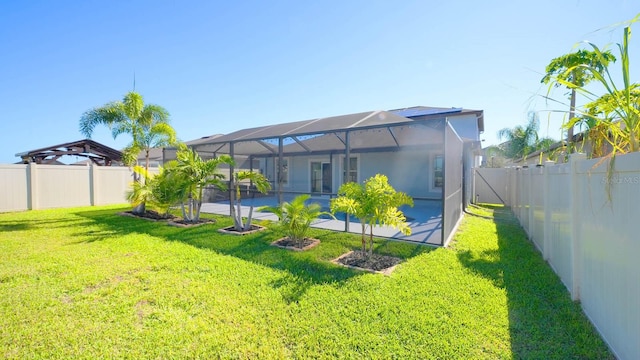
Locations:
column 248, row 224
column 239, row 225
column 184, row 211
column 236, row 226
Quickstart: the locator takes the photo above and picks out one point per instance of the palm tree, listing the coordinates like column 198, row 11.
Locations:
column 571, row 71
column 147, row 124
column 262, row 185
column 196, row 174
column 520, row 140
column 373, row 202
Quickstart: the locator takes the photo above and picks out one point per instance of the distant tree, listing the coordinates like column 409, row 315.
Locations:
column 494, row 156
column 576, row 70
column 147, row 124
column 523, row 140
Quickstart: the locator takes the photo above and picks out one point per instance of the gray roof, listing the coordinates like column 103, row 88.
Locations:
column 156, row 154
column 367, row 130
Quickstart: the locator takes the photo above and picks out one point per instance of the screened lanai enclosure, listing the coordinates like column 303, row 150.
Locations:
column 418, row 149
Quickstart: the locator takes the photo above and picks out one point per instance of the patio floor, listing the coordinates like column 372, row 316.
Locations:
column 425, row 218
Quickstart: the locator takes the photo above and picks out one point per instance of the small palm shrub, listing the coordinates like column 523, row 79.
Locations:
column 295, row 217
column 375, row 202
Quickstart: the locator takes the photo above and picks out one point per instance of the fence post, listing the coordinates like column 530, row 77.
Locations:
column 93, row 184
column 576, row 249
column 547, row 210
column 32, row 186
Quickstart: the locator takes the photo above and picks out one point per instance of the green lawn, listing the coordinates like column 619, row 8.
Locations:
column 87, row 283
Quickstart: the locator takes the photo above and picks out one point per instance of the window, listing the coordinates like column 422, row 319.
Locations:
column 438, row 171
column 352, row 176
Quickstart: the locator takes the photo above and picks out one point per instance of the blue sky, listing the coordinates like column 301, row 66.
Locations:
column 224, row 66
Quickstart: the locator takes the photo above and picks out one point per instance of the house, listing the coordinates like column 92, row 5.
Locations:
column 407, row 145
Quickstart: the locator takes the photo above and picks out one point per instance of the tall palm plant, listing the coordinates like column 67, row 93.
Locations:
column 618, row 108
column 148, row 125
column 196, row 174
column 572, row 70
column 261, row 184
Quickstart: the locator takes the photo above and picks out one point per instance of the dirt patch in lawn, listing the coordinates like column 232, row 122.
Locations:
column 186, row 224
column 149, row 215
column 231, row 230
column 287, row 243
column 376, row 263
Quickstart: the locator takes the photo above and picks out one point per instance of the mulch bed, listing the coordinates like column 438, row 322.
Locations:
column 287, row 243
column 358, row 259
column 231, row 230
column 184, row 223
column 149, row 215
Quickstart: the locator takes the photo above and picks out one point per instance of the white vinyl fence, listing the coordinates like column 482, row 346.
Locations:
column 31, row 187
column 585, row 222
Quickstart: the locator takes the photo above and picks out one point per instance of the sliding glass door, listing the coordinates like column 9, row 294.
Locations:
column 321, row 177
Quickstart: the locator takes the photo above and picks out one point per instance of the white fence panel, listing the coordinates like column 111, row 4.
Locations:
column 62, row 186
column 111, row 185
column 609, row 246
column 536, row 209
column 13, row 188
column 586, row 225
column 32, row 186
column 559, row 251
column 523, row 197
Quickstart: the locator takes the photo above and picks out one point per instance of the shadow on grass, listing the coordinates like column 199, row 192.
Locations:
column 543, row 321
column 31, row 224
column 305, row 268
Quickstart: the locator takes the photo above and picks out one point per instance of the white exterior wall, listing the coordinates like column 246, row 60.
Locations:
column 408, row 171
column 586, row 229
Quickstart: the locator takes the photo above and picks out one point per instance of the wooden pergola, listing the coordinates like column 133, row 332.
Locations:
column 99, row 154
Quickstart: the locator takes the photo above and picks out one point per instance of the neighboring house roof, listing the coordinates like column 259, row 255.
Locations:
column 382, row 128
column 98, row 153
